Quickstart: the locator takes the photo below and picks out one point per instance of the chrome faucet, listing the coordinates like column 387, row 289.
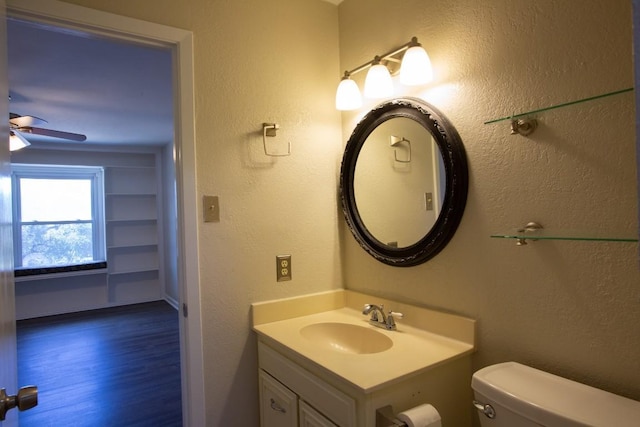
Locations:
column 379, row 319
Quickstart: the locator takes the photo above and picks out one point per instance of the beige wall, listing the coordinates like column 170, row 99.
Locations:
column 256, row 62
column 572, row 308
column 636, row 56
column 568, row 307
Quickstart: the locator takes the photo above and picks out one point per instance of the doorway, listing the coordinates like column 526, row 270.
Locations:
column 75, row 18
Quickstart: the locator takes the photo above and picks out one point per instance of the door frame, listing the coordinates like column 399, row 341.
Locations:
column 181, row 43
column 8, row 354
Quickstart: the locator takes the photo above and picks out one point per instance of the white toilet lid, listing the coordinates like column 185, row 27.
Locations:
column 549, row 399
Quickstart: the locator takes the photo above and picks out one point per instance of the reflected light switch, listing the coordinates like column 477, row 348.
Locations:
column 428, row 201
column 211, row 209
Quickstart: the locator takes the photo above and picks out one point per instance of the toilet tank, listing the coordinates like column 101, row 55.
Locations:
column 522, row 396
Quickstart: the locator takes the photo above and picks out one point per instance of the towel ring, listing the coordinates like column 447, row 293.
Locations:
column 270, row 129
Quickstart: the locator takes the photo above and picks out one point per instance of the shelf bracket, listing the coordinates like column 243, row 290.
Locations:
column 523, row 127
column 531, row 227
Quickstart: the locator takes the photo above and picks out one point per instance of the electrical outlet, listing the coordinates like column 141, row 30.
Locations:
column 283, row 268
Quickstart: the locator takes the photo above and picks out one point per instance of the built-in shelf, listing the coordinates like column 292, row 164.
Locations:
column 133, row 271
column 133, row 233
column 133, row 220
column 134, row 245
column 131, row 194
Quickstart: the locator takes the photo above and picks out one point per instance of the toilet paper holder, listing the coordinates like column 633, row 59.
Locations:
column 385, row 417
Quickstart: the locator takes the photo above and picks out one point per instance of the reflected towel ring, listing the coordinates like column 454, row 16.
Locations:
column 395, row 140
column 270, row 129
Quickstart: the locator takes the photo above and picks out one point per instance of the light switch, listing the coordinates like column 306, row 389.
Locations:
column 211, row 209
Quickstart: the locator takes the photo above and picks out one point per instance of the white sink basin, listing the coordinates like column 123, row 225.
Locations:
column 346, row 337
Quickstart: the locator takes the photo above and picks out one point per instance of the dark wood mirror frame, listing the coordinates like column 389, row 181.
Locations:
column 456, row 178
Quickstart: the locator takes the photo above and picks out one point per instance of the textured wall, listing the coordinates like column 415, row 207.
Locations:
column 636, row 56
column 256, row 62
column 568, row 307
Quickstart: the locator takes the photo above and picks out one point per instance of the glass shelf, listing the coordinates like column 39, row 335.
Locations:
column 566, row 104
column 565, row 235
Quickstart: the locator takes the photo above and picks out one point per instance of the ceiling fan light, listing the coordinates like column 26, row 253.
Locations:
column 17, row 141
column 416, row 67
column 348, row 95
column 378, row 83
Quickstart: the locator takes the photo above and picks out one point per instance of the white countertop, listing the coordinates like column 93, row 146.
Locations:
column 414, row 350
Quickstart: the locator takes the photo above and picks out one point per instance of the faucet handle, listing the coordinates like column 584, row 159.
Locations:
column 391, row 319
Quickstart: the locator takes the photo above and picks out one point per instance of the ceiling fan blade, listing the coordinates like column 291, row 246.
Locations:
column 53, row 133
column 25, row 121
column 17, row 141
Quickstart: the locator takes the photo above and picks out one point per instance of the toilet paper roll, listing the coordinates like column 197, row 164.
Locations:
column 423, row 415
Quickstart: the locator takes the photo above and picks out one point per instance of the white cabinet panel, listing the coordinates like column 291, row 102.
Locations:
column 278, row 404
column 327, row 399
column 309, row 417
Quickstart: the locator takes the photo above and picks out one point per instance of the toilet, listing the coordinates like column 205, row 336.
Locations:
column 514, row 395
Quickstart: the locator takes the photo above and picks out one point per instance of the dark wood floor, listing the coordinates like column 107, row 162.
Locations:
column 113, row 367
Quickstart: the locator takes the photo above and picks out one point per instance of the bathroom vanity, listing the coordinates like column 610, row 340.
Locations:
column 322, row 363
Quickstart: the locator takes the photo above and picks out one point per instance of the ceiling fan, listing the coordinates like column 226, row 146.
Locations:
column 29, row 124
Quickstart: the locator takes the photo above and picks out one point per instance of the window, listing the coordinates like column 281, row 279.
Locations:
column 58, row 216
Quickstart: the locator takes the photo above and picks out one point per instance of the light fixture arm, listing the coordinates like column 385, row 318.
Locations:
column 388, row 56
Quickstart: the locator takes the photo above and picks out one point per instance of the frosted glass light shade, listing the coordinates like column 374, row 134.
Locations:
column 348, row 95
column 416, row 67
column 17, row 141
column 378, row 83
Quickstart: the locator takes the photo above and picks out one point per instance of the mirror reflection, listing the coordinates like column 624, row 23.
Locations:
column 399, row 182
column 403, row 182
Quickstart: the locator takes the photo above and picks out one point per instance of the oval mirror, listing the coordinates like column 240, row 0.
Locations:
column 403, row 182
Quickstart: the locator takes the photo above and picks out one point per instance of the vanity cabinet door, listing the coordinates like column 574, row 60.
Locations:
column 278, row 404
column 309, row 417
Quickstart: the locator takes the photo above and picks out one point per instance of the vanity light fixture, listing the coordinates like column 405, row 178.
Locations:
column 17, row 141
column 415, row 69
column 416, row 66
column 378, row 83
column 348, row 95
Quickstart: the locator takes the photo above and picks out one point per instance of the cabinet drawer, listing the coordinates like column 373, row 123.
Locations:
column 309, row 417
column 278, row 404
column 334, row 404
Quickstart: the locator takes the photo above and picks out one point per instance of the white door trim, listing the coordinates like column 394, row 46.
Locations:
column 181, row 42
column 8, row 354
